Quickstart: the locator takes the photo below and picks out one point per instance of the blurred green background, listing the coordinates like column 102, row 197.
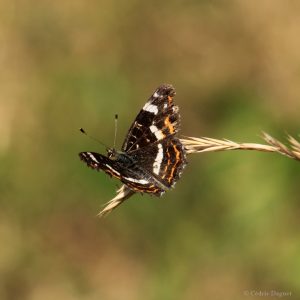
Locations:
column 232, row 223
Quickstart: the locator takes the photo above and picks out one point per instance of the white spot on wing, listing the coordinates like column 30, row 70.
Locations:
column 92, row 157
column 151, row 108
column 158, row 134
column 141, row 181
column 158, row 159
column 175, row 109
column 113, row 170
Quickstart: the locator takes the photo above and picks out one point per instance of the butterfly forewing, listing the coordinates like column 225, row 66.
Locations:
column 157, row 120
column 135, row 177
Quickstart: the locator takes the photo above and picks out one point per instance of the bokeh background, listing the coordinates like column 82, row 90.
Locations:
column 232, row 223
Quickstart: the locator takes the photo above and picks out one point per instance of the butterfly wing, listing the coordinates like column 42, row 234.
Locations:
column 98, row 162
column 134, row 177
column 151, row 138
column 165, row 160
column 158, row 119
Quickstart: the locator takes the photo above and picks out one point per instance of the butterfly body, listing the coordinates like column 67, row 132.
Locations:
column 152, row 158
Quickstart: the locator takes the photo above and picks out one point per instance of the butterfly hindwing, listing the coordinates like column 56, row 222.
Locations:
column 165, row 160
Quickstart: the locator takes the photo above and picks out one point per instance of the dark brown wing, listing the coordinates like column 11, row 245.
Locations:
column 165, row 160
column 158, row 119
column 134, row 177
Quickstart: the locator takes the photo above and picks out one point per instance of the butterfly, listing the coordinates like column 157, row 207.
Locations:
column 152, row 157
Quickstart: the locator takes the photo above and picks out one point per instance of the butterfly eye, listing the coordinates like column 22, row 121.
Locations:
column 112, row 154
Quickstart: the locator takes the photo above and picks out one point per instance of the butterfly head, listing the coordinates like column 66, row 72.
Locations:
column 112, row 153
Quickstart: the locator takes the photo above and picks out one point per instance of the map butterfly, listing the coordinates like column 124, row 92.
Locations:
column 152, row 158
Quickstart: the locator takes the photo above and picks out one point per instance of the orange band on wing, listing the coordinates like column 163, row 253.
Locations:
column 175, row 165
column 169, row 125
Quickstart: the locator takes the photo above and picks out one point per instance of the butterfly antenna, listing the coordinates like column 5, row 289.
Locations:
column 91, row 137
column 116, row 129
